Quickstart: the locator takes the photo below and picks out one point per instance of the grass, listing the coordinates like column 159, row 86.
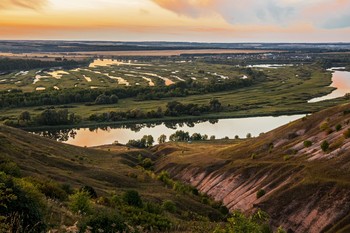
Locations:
column 267, row 98
column 109, row 170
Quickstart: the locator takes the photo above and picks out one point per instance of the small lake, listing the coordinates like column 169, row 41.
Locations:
column 122, row 134
column 341, row 81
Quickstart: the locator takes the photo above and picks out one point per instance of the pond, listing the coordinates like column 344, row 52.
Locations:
column 341, row 81
column 122, row 134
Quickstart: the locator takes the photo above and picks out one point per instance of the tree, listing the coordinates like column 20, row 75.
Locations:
column 162, row 139
column 249, row 135
column 113, row 99
column 215, row 105
column 132, row 197
column 212, row 138
column 102, row 99
column 147, row 140
column 196, row 137
column 24, row 116
column 325, row 146
column 180, row 136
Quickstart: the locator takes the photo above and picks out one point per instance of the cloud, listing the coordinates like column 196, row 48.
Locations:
column 30, row 4
column 322, row 13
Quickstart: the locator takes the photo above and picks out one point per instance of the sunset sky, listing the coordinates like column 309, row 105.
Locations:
column 177, row 20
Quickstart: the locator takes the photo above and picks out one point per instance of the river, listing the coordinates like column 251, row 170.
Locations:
column 122, row 134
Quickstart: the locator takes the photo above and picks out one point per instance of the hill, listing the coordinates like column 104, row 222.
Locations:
column 46, row 175
column 298, row 173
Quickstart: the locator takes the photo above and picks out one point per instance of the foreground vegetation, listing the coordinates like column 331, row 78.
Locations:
column 51, row 186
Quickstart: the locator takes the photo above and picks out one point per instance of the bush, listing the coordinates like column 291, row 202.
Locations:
column 169, row 206
column 10, row 168
column 307, row 143
column 325, row 146
column 347, row 133
column 338, row 127
column 90, row 190
column 324, row 126
column 50, row 188
column 103, row 221
column 238, row 222
column 22, row 206
column 80, row 202
column 152, row 208
column 260, row 193
column 132, row 197
column 147, row 163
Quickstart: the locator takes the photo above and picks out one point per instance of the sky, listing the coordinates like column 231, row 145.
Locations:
column 177, row 20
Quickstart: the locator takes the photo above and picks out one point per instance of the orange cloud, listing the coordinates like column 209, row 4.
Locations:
column 192, row 8
column 31, row 4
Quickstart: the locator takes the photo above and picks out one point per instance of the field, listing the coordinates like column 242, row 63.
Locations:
column 269, row 97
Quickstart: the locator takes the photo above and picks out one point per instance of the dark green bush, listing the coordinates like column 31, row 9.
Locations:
column 169, row 206
column 260, row 193
column 49, row 188
column 307, row 143
column 103, row 221
column 153, row 208
column 90, row 190
column 132, row 197
column 325, row 146
column 338, row 127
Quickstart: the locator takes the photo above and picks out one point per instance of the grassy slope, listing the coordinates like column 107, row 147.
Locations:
column 307, row 190
column 109, row 169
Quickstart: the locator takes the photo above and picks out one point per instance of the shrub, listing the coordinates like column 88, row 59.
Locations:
column 50, row 188
column 338, row 127
column 147, row 163
column 90, row 190
column 103, row 221
column 132, row 197
column 286, row 157
column 238, row 222
column 260, row 193
column 253, row 156
column 152, row 208
column 10, row 168
column 307, row 143
column 22, row 206
column 169, row 206
column 325, row 146
column 347, row 133
column 324, row 126
column 80, row 202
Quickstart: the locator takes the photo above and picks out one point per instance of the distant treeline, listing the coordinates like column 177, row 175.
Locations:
column 173, row 109
column 54, row 117
column 17, row 98
column 7, row 65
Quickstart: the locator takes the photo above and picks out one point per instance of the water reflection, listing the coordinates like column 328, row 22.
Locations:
column 341, row 81
column 94, row 136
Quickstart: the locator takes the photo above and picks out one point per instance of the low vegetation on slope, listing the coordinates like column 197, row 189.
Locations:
column 48, row 185
column 298, row 173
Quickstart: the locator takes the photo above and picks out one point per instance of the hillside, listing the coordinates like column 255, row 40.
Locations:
column 291, row 173
column 302, row 187
column 51, row 167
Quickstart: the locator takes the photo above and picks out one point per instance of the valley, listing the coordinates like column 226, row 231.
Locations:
column 176, row 143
